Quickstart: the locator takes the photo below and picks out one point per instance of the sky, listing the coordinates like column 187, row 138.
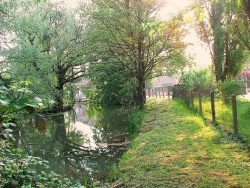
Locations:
column 196, row 50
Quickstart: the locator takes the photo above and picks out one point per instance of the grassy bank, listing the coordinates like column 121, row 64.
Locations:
column 177, row 149
column 224, row 115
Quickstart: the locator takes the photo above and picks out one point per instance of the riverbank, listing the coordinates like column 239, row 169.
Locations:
column 176, row 148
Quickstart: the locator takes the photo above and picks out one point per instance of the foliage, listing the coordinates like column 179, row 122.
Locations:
column 48, row 48
column 199, row 80
column 113, row 85
column 7, row 10
column 9, row 107
column 216, row 25
column 127, row 38
column 229, row 88
column 134, row 122
column 17, row 170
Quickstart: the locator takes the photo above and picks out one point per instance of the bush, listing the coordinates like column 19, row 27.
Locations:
column 229, row 88
column 200, row 80
column 17, row 170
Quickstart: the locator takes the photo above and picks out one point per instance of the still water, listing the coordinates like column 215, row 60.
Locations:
column 78, row 142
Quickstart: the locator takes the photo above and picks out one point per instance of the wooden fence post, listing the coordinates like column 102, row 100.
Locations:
column 163, row 93
column 234, row 110
column 200, row 103
column 149, row 92
column 212, row 106
column 156, row 92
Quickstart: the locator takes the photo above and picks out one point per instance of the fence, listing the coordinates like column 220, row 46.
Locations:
column 160, row 92
column 213, row 106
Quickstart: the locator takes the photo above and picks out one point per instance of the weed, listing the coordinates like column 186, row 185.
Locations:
column 133, row 122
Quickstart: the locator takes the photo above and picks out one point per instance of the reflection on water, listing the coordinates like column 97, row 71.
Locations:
column 78, row 142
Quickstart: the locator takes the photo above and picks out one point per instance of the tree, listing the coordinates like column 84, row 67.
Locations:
column 246, row 5
column 49, row 49
column 114, row 85
column 7, row 8
column 215, row 28
column 7, row 11
column 241, row 20
column 198, row 80
column 127, row 36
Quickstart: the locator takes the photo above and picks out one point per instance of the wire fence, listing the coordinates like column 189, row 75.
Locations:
column 212, row 107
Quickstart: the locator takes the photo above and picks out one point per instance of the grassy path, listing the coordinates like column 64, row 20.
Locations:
column 177, row 149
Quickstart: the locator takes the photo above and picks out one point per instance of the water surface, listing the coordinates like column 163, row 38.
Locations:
column 78, row 142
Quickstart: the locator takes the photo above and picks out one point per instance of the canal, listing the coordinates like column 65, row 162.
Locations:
column 78, row 143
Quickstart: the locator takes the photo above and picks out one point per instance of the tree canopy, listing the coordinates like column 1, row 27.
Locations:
column 216, row 26
column 126, row 38
column 48, row 49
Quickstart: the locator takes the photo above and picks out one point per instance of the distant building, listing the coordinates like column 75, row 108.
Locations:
column 245, row 74
column 79, row 94
column 164, row 81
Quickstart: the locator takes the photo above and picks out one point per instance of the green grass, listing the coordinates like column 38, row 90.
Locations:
column 224, row 115
column 133, row 122
column 177, row 149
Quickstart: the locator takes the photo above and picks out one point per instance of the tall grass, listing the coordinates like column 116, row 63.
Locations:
column 134, row 121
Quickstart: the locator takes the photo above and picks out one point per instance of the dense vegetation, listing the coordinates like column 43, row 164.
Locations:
column 118, row 46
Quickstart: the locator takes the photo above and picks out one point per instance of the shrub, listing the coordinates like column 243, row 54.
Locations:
column 229, row 88
column 200, row 80
column 17, row 170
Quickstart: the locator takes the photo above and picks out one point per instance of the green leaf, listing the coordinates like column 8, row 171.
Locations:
column 8, row 130
column 29, row 109
column 18, row 150
column 239, row 3
column 23, row 101
column 4, row 102
column 151, row 32
column 2, row 88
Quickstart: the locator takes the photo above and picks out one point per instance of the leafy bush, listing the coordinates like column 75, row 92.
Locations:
column 17, row 170
column 229, row 88
column 8, row 108
column 200, row 80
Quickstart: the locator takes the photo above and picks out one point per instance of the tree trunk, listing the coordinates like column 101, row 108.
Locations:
column 140, row 97
column 218, row 47
column 59, row 91
column 246, row 5
column 226, row 71
column 140, row 65
column 59, row 99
